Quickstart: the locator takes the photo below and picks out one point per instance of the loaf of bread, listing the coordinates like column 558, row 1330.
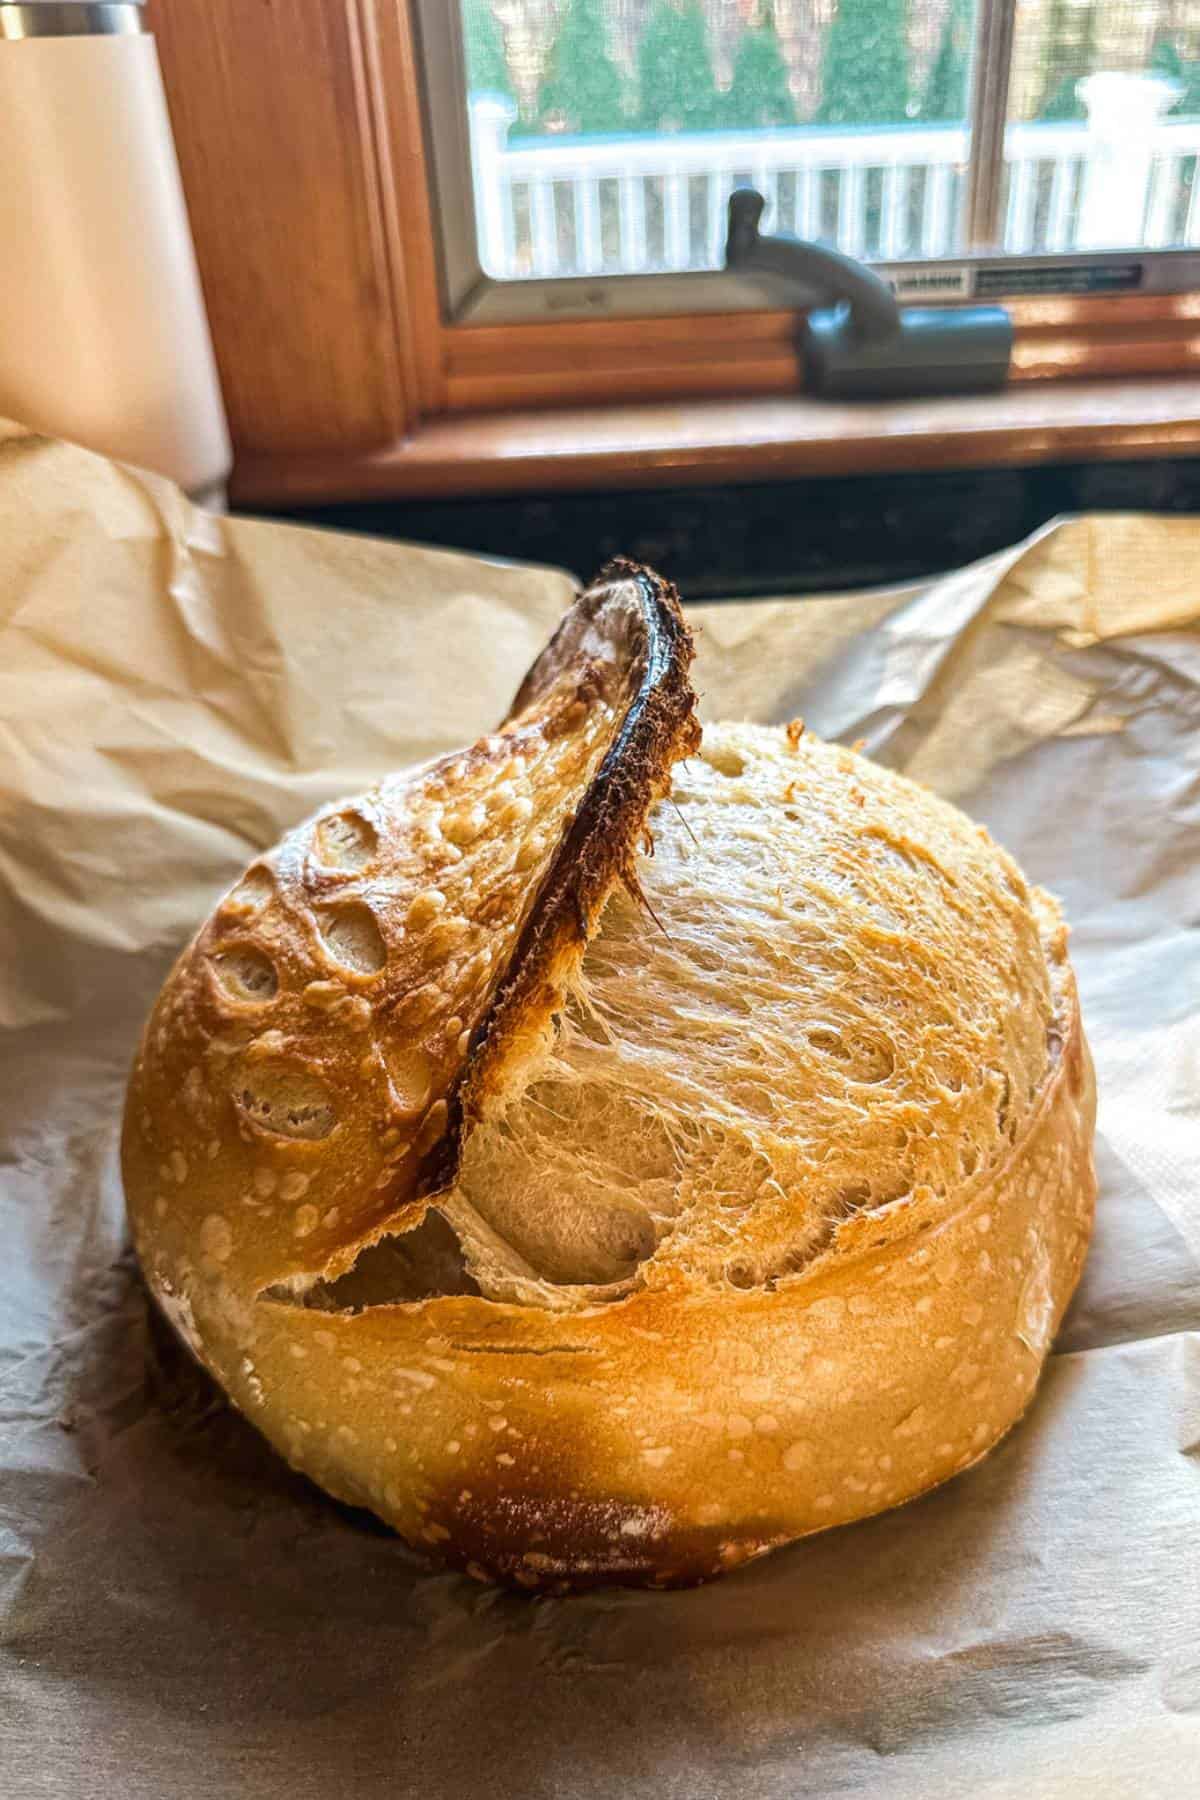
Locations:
column 610, row 1152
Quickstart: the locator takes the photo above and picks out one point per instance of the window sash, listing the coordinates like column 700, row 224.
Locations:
column 991, row 72
column 470, row 296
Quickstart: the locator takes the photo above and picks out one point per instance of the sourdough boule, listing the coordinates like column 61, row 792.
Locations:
column 609, row 1152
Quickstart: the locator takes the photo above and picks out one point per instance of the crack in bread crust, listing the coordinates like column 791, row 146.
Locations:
column 599, row 846
column 384, row 989
column 362, row 990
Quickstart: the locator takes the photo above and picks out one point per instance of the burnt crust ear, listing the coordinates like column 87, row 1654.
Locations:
column 623, row 642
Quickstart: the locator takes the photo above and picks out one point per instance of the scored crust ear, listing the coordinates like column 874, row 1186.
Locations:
column 318, row 1053
column 635, row 628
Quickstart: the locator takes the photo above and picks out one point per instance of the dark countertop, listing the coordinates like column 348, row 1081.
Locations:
column 809, row 536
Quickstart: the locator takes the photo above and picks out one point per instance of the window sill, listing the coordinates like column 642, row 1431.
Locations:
column 742, row 440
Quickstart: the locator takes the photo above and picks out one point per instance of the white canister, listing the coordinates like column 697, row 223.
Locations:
column 103, row 333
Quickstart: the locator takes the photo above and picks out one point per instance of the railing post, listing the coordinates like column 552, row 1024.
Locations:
column 1166, row 180
column 675, row 220
column 808, row 202
column 632, row 215
column 589, row 244
column 720, row 186
column 935, row 210
column 893, row 225
column 852, row 211
column 543, row 218
column 1123, row 111
column 1018, row 226
column 491, row 116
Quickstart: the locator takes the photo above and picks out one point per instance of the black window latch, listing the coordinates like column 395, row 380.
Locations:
column 860, row 343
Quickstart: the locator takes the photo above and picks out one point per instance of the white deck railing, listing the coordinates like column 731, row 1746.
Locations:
column 623, row 205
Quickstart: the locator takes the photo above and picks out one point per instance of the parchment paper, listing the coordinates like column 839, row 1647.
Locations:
column 180, row 1617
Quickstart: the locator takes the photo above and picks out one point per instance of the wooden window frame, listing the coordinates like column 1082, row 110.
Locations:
column 300, row 137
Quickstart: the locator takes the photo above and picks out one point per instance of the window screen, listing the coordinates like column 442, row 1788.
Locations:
column 606, row 135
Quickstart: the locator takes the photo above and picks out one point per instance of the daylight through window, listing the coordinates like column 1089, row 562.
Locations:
column 606, row 135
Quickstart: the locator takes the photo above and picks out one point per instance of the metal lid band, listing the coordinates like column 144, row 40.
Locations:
column 69, row 18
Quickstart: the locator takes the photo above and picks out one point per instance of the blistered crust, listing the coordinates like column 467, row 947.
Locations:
column 326, row 1049
column 305, row 1074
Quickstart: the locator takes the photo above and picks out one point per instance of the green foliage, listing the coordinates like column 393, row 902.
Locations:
column 582, row 88
column 1070, row 54
column 760, row 93
column 676, row 87
column 483, row 42
column 1167, row 61
column 1064, row 102
column 864, row 72
column 947, row 91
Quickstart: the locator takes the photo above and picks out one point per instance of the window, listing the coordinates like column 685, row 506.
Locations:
column 364, row 350
column 584, row 150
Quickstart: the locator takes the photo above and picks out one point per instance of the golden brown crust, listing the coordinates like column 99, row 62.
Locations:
column 278, row 1122
column 352, row 997
column 871, row 1379
column 681, row 1432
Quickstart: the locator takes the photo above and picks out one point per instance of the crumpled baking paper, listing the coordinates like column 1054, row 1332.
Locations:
column 180, row 1617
